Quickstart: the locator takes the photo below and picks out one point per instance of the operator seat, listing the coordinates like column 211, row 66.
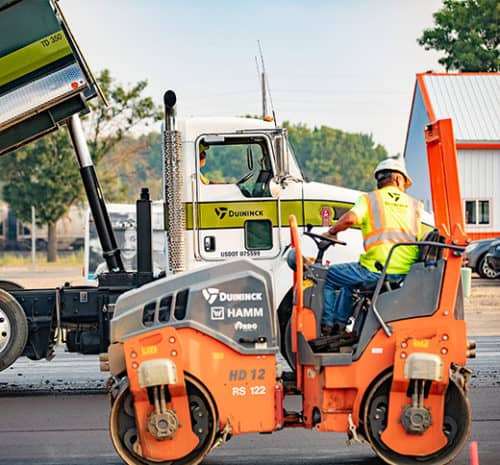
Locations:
column 261, row 187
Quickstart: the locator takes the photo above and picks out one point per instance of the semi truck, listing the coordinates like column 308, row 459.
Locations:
column 45, row 84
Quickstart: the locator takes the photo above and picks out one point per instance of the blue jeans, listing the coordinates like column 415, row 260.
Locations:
column 344, row 277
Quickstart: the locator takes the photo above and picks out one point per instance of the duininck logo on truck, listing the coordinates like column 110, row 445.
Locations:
column 221, row 212
column 226, row 215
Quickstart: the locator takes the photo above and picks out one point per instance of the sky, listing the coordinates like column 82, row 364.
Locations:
column 347, row 64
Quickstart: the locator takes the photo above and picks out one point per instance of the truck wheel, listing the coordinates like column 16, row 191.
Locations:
column 10, row 285
column 485, row 271
column 13, row 330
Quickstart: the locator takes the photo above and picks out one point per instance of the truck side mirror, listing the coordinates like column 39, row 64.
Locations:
column 282, row 156
column 274, row 188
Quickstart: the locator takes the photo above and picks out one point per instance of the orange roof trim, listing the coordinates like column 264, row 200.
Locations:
column 481, row 146
column 425, row 96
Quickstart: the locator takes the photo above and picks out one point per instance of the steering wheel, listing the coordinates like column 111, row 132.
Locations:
column 320, row 238
column 245, row 178
column 322, row 243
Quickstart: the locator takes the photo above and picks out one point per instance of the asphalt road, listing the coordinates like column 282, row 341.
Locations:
column 55, row 413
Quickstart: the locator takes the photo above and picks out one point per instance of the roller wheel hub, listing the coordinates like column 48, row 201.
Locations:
column 124, row 433
column 456, row 425
column 416, row 420
column 163, row 425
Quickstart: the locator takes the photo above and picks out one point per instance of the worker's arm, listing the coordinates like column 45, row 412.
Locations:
column 346, row 221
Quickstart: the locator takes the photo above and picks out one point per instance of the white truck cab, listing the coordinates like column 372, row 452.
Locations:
column 244, row 210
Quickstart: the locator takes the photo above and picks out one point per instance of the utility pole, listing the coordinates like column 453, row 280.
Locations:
column 33, row 237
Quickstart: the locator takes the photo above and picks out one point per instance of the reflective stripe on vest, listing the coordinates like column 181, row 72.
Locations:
column 379, row 235
column 416, row 216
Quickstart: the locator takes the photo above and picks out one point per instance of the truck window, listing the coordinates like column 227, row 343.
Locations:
column 242, row 161
column 258, row 235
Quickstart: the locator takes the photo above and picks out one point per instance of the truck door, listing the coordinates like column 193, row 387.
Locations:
column 234, row 214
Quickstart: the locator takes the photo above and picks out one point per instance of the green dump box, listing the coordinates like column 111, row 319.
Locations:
column 43, row 76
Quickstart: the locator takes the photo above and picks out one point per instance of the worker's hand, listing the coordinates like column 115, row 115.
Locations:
column 329, row 236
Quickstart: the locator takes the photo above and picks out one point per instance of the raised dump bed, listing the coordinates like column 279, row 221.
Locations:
column 43, row 77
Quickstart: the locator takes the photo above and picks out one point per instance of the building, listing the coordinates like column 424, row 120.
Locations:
column 472, row 101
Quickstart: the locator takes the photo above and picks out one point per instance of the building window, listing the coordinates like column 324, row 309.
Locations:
column 477, row 212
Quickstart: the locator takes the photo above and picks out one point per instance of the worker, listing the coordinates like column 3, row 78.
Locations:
column 203, row 158
column 386, row 217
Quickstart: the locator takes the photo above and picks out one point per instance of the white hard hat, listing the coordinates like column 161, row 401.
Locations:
column 393, row 164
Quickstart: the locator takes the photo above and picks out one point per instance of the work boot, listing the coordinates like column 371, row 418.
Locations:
column 338, row 328
column 326, row 330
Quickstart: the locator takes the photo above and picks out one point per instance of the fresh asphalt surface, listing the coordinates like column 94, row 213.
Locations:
column 56, row 413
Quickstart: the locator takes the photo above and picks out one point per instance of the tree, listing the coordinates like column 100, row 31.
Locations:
column 467, row 32
column 45, row 173
column 107, row 126
column 336, row 157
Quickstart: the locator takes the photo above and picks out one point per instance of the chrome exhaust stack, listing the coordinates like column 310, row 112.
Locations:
column 173, row 187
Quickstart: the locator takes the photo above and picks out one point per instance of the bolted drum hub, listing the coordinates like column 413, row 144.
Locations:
column 5, row 330
column 416, row 420
column 163, row 425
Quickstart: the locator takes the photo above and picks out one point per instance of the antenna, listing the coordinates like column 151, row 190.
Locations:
column 264, row 85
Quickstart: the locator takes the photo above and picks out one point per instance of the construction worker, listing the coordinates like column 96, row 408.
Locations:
column 385, row 216
column 203, row 158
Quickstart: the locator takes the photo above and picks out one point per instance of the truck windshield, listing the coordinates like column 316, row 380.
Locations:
column 294, row 166
column 244, row 161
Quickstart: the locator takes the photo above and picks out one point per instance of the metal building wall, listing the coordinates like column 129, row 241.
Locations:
column 472, row 101
column 480, row 180
column 416, row 152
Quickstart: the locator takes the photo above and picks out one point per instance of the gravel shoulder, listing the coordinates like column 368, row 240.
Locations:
column 482, row 308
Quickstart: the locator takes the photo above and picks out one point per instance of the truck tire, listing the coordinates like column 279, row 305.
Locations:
column 10, row 285
column 13, row 330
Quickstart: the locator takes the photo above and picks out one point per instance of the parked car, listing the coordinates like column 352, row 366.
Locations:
column 493, row 257
column 475, row 258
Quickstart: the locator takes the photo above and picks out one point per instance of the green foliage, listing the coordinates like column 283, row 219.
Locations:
column 467, row 32
column 336, row 157
column 107, row 126
column 43, row 174
column 324, row 154
column 131, row 164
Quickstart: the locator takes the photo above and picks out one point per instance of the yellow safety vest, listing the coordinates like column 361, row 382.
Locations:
column 386, row 217
column 204, row 179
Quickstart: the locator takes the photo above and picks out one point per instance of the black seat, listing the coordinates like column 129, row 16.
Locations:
column 428, row 253
column 261, row 187
column 362, row 296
